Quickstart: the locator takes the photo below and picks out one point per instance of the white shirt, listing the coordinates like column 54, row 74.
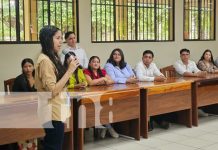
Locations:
column 182, row 68
column 80, row 53
column 147, row 74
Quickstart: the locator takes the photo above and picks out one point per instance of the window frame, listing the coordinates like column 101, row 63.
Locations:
column 17, row 10
column 199, row 35
column 136, row 26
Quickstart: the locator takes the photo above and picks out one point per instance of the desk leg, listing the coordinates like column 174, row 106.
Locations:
column 68, row 141
column 185, row 117
column 194, row 104
column 135, row 129
column 144, row 113
column 129, row 128
column 78, row 132
column 80, row 139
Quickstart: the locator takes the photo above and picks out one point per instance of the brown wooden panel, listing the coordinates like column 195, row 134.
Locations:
column 125, row 107
column 124, row 110
column 171, row 87
column 19, row 120
column 207, row 95
column 123, row 102
column 170, row 102
column 104, row 96
column 15, row 135
column 20, row 116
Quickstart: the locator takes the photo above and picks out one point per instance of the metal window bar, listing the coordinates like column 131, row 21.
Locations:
column 140, row 20
column 17, row 20
column 9, row 3
column 18, row 12
column 61, row 17
column 105, row 21
column 67, row 16
column 30, row 10
column 55, row 14
column 2, row 20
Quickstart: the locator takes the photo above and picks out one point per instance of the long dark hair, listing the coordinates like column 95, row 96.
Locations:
column 99, row 69
column 122, row 63
column 66, row 65
column 24, row 61
column 202, row 57
column 46, row 39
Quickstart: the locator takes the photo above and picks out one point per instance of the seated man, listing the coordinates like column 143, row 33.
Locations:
column 146, row 70
column 71, row 40
column 188, row 68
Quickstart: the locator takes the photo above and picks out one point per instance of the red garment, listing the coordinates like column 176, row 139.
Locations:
column 87, row 72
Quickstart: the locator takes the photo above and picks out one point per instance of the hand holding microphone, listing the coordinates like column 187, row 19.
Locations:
column 74, row 62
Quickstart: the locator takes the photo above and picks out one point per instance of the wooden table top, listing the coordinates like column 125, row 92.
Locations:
column 18, row 99
column 207, row 78
column 31, row 97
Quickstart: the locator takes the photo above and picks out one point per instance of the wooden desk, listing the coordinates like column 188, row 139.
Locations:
column 19, row 120
column 204, row 94
column 172, row 95
column 122, row 100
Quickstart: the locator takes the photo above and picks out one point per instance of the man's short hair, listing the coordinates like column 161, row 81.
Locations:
column 184, row 50
column 148, row 52
column 67, row 34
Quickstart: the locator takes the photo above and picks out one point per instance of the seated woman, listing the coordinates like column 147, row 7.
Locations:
column 78, row 79
column 118, row 69
column 206, row 63
column 25, row 83
column 97, row 76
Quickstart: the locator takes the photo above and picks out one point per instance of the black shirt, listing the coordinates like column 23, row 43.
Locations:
column 21, row 84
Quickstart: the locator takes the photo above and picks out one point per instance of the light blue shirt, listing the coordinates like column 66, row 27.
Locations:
column 118, row 75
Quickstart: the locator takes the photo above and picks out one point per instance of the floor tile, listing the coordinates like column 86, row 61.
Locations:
column 196, row 143
column 211, row 147
column 177, row 137
column 175, row 146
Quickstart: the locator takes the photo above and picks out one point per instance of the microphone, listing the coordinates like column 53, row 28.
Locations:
column 65, row 52
column 69, row 53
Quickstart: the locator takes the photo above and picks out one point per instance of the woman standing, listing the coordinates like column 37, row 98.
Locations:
column 51, row 76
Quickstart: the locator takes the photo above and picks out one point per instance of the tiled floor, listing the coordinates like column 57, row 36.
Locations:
column 178, row 137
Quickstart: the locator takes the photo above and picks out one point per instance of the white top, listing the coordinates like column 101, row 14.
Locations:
column 80, row 53
column 182, row 68
column 147, row 74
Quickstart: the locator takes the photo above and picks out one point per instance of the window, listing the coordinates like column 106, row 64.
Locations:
column 199, row 18
column 21, row 20
column 132, row 20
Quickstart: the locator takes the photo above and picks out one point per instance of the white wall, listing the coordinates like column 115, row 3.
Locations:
column 166, row 53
